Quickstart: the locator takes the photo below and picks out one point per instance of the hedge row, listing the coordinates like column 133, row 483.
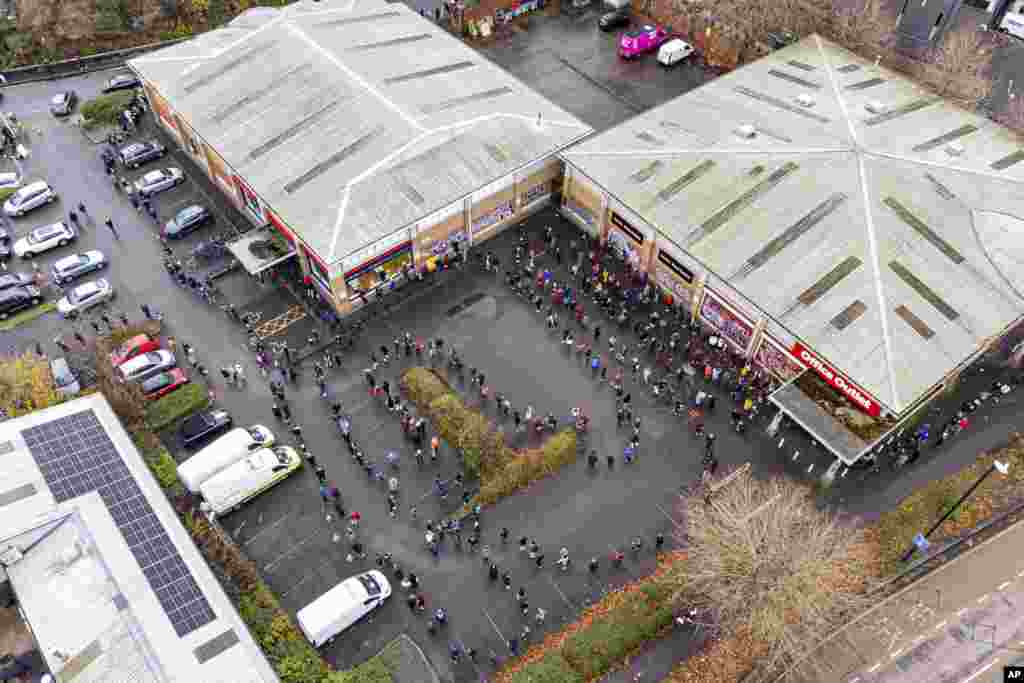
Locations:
column 103, row 110
column 177, row 404
column 500, row 468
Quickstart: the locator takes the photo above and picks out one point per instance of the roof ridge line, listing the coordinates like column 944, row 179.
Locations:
column 991, row 175
column 714, row 150
column 827, row 63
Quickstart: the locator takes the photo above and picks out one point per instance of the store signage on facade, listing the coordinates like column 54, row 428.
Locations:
column 250, row 200
column 536, row 193
column 627, row 229
column 837, row 380
column 684, row 273
column 394, row 252
column 503, row 211
column 280, row 227
column 729, row 323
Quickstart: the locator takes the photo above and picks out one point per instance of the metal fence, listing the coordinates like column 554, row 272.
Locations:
column 70, row 67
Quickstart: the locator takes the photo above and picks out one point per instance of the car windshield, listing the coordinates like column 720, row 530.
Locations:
column 159, row 382
column 282, row 456
column 370, row 584
column 153, row 357
column 42, row 234
column 58, row 99
column 256, row 435
column 83, row 292
column 62, row 380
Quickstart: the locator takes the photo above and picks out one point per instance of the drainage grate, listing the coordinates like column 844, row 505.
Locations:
column 801, row 65
column 864, row 85
column 849, row 315
column 238, row 61
column 790, row 235
column 445, row 105
column 359, row 20
column 388, row 43
column 780, row 103
column 1008, row 161
column 679, row 184
column 733, row 208
column 954, row 134
column 902, row 110
column 647, row 172
column 794, row 79
column 331, row 161
column 286, row 135
column 829, row 280
column 447, row 69
column 923, row 230
column 926, row 292
column 919, row 326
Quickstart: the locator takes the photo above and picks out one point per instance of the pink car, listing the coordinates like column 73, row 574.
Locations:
column 646, row 38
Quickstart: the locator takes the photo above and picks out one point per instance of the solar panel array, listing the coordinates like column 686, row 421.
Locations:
column 77, row 457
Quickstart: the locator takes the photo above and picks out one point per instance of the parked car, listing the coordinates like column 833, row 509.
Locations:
column 8, row 280
column 44, row 238
column 227, row 450
column 613, row 19
column 32, row 196
column 202, row 426
column 5, row 244
column 185, row 221
column 159, row 181
column 85, row 296
column 234, row 485
column 70, row 267
column 163, row 384
column 138, row 153
column 135, row 346
column 122, row 82
column 323, row 619
column 18, row 298
column 63, row 103
column 646, row 38
column 674, row 51
column 63, row 378
column 146, row 365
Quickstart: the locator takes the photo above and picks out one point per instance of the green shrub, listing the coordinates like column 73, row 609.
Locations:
column 7, row 192
column 177, row 404
column 375, row 670
column 103, row 110
column 423, row 385
column 164, row 469
column 549, row 669
column 527, row 466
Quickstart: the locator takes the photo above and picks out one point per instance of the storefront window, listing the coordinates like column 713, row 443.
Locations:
column 730, row 325
column 379, row 270
column 771, row 357
column 488, row 219
column 317, row 269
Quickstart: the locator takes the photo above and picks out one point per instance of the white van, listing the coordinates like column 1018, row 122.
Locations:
column 674, row 51
column 224, row 452
column 345, row 604
column 232, row 486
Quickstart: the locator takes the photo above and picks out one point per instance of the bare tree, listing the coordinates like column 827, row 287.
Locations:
column 960, row 66
column 1012, row 115
column 768, row 562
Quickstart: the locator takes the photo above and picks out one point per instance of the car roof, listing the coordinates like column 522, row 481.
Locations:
column 14, row 293
column 33, row 186
column 158, row 174
column 88, row 287
column 8, row 176
column 51, row 229
column 68, row 261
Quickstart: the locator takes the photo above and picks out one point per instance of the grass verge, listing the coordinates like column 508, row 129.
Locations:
column 26, row 316
column 103, row 110
column 501, row 469
column 179, row 403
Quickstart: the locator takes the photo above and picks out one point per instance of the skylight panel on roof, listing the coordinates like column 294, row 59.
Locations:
column 926, row 292
column 358, row 20
column 225, row 68
column 269, row 89
column 649, row 139
column 954, row 134
column 915, row 323
column 389, row 43
column 848, row 68
column 832, row 278
column 331, row 161
column 676, row 186
column 456, row 102
column 285, row 135
column 448, row 68
column 923, row 230
column 647, row 172
column 780, row 103
column 794, row 79
column 801, row 65
column 902, row 110
column 864, row 85
column 1008, row 161
column 849, row 315
column 940, row 189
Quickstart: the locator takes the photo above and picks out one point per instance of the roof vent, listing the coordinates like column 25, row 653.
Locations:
column 746, row 131
column 805, row 100
column 954, row 149
column 875, row 107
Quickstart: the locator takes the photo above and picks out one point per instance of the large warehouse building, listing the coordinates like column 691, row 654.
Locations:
column 364, row 134
column 831, row 219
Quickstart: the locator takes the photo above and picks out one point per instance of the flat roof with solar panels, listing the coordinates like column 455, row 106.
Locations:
column 105, row 574
column 862, row 215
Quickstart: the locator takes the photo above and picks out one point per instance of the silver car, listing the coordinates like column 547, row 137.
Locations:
column 29, row 197
column 77, row 265
column 146, row 365
column 83, row 297
column 159, row 181
column 44, row 238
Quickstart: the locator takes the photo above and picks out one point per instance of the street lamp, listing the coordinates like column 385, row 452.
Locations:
column 996, row 465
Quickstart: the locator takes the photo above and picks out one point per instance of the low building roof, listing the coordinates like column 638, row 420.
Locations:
column 107, row 577
column 353, row 120
column 871, row 219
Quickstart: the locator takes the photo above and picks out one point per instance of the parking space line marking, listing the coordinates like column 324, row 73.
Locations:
column 264, row 530
column 281, row 558
column 1003, row 585
column 560, row 593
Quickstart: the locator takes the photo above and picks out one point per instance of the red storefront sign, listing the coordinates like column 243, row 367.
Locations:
column 837, row 380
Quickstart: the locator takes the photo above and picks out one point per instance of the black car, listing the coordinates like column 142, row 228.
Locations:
column 5, row 244
column 8, row 280
column 122, row 82
column 613, row 19
column 204, row 425
column 63, row 103
column 138, row 153
column 17, row 298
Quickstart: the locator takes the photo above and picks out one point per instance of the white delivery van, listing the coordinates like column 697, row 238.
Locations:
column 345, row 604
column 232, row 486
column 674, row 51
column 224, row 452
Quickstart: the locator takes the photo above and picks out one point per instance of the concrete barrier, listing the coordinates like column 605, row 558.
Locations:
column 80, row 65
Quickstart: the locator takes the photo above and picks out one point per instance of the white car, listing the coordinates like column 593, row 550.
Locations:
column 674, row 51
column 85, row 296
column 158, row 181
column 29, row 197
column 323, row 619
column 44, row 238
column 146, row 365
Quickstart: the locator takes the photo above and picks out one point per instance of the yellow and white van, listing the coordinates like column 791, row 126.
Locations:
column 234, row 485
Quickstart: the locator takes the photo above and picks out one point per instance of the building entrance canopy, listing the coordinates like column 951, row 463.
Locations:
column 259, row 250
column 826, row 429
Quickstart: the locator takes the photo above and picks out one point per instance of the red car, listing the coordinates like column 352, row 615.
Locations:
column 646, row 38
column 139, row 344
column 164, row 383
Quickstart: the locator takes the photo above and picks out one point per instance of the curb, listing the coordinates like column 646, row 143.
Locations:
column 434, row 678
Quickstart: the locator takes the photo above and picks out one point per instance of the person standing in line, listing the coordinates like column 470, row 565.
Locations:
column 113, row 230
